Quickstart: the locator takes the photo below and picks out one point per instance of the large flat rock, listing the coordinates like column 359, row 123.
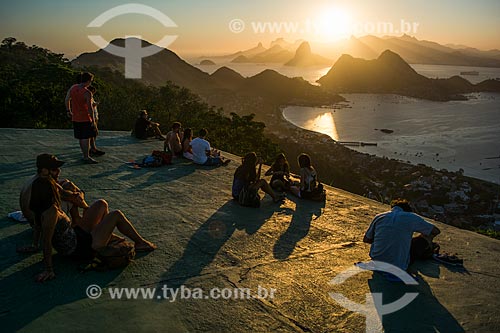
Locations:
column 207, row 241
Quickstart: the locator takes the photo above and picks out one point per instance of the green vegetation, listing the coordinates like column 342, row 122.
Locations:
column 34, row 82
column 488, row 232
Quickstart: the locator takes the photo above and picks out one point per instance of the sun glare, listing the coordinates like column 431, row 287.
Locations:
column 333, row 23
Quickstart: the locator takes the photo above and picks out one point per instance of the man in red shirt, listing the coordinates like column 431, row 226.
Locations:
column 79, row 106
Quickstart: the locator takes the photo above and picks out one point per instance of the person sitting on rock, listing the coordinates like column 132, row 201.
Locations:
column 172, row 142
column 78, row 239
column 203, row 154
column 309, row 185
column 247, row 178
column 390, row 234
column 145, row 128
column 187, row 151
column 280, row 171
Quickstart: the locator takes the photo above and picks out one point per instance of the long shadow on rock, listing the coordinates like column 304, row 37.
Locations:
column 299, row 227
column 211, row 236
column 22, row 300
column 424, row 314
column 8, row 246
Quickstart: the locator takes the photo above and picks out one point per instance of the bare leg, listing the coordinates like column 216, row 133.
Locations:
column 92, row 144
column 93, row 215
column 157, row 131
column 84, row 145
column 264, row 186
column 103, row 232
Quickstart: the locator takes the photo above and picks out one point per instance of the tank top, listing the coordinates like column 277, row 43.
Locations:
column 79, row 107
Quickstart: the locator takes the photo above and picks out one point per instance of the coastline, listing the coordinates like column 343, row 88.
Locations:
column 449, row 197
column 452, row 135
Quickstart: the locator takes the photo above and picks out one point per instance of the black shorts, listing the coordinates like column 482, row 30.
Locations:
column 83, row 244
column 84, row 130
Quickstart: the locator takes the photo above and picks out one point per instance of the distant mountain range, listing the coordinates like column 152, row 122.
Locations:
column 411, row 49
column 168, row 66
column 390, row 74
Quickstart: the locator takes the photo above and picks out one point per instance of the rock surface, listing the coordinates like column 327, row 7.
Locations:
column 207, row 241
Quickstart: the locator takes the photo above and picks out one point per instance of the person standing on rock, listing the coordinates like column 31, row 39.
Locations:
column 79, row 105
column 390, row 234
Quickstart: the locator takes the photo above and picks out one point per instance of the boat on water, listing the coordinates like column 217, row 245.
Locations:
column 469, row 73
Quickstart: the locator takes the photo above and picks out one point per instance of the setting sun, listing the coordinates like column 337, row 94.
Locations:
column 333, row 23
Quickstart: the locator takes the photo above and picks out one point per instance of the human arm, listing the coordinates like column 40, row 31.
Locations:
column 175, row 143
column 370, row 232
column 88, row 101
column 67, row 103
column 260, row 169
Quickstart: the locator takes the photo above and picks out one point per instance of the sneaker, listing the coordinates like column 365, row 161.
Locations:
column 89, row 160
column 97, row 152
column 226, row 162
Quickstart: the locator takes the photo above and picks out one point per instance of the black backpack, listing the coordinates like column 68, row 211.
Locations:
column 249, row 197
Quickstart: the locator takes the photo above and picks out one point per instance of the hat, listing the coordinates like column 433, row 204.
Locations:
column 48, row 161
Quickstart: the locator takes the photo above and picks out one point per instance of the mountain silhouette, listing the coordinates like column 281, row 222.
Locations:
column 156, row 69
column 304, row 57
column 168, row 66
column 390, row 74
column 275, row 54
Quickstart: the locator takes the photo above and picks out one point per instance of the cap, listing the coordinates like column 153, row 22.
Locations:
column 48, row 161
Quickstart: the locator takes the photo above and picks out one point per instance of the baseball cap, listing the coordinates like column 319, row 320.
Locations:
column 48, row 161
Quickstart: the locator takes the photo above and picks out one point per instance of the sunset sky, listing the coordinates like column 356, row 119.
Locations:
column 203, row 27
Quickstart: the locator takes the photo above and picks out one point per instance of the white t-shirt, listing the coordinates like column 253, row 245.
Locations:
column 200, row 147
column 392, row 233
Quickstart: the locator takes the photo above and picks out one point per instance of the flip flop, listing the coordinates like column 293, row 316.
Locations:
column 448, row 259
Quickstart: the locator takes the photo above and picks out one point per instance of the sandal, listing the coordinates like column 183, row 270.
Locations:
column 448, row 259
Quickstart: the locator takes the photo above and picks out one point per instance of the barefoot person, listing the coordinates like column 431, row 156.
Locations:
column 172, row 142
column 280, row 171
column 145, row 128
column 247, row 178
column 187, row 151
column 79, row 105
column 93, row 231
column 309, row 185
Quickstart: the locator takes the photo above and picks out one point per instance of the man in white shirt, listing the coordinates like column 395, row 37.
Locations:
column 390, row 234
column 203, row 154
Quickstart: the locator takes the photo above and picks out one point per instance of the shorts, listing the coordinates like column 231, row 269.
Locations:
column 83, row 244
column 84, row 130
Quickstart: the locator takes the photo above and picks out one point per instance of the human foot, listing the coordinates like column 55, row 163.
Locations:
column 145, row 246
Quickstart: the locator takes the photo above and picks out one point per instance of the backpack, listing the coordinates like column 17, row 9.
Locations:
column 421, row 249
column 318, row 194
column 165, row 157
column 151, row 161
column 249, row 197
